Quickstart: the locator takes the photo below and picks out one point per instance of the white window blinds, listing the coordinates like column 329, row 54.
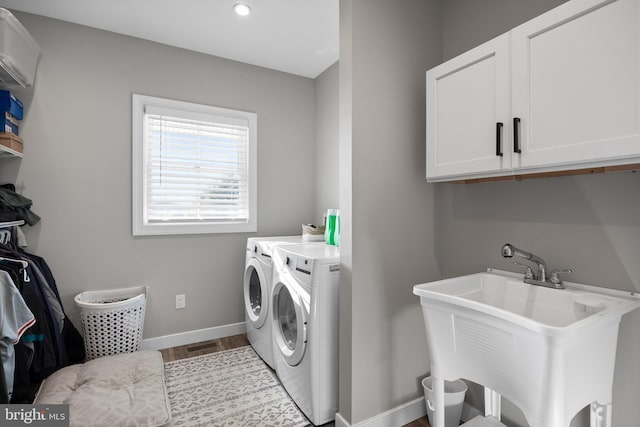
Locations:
column 196, row 169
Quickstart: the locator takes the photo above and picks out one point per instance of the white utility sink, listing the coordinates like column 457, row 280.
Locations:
column 550, row 351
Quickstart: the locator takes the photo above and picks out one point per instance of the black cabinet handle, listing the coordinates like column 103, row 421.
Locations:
column 516, row 135
column 499, row 138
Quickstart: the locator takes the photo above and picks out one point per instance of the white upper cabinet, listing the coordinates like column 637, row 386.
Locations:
column 575, row 83
column 573, row 86
column 467, row 110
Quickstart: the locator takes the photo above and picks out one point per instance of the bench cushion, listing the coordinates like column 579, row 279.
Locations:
column 123, row 390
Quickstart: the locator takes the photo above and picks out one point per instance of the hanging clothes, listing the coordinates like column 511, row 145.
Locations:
column 35, row 352
column 73, row 340
column 16, row 319
column 45, row 347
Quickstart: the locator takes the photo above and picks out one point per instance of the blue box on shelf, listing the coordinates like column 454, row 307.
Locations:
column 11, row 104
column 9, row 124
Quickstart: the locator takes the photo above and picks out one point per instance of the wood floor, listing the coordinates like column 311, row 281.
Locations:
column 227, row 343
column 204, row 347
column 420, row 422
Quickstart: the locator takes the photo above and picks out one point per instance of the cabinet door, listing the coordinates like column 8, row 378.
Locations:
column 466, row 99
column 575, row 84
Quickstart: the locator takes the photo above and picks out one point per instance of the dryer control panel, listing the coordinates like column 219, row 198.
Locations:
column 304, row 265
column 301, row 267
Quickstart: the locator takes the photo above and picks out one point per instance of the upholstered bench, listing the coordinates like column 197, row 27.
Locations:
column 122, row 390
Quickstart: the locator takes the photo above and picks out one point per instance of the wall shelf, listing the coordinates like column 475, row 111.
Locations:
column 7, row 153
column 10, row 145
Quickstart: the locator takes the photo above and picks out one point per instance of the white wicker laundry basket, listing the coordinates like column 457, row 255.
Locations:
column 112, row 320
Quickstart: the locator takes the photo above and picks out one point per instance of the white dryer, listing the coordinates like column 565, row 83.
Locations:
column 305, row 326
column 258, row 272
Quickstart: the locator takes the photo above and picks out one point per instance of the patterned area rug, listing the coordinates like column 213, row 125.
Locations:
column 229, row 388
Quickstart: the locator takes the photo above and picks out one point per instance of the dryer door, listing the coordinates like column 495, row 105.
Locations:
column 290, row 325
column 256, row 293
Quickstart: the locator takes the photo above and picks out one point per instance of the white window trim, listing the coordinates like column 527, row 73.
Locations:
column 139, row 226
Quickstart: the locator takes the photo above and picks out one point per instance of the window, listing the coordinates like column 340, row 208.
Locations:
column 194, row 168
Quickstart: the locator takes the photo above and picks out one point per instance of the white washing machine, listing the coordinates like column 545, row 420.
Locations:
column 258, row 274
column 305, row 326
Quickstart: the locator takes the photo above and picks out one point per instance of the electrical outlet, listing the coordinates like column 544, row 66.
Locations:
column 181, row 301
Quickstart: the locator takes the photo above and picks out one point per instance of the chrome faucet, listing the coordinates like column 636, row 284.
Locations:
column 540, row 276
column 508, row 251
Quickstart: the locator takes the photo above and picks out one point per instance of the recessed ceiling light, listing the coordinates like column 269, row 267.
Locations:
column 242, row 9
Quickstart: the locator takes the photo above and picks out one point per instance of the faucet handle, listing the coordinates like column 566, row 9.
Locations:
column 528, row 273
column 554, row 275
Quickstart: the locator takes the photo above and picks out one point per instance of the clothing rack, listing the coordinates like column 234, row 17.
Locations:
column 7, row 230
column 11, row 224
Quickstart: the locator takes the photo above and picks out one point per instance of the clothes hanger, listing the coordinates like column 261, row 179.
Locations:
column 6, row 230
column 24, row 264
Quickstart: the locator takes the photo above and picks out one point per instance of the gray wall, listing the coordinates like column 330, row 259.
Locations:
column 326, row 154
column 468, row 23
column 387, row 206
column 588, row 223
column 77, row 169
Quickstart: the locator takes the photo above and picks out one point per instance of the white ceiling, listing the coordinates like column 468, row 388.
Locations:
column 294, row 36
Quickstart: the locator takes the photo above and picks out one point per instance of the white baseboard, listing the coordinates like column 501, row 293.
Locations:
column 403, row 414
column 191, row 337
column 340, row 422
column 396, row 417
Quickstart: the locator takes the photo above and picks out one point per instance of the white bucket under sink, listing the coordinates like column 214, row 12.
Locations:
column 454, row 392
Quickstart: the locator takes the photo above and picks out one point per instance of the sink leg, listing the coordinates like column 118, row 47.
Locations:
column 492, row 403
column 600, row 415
column 438, row 394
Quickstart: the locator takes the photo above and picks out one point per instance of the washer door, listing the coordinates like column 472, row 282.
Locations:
column 290, row 326
column 256, row 293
